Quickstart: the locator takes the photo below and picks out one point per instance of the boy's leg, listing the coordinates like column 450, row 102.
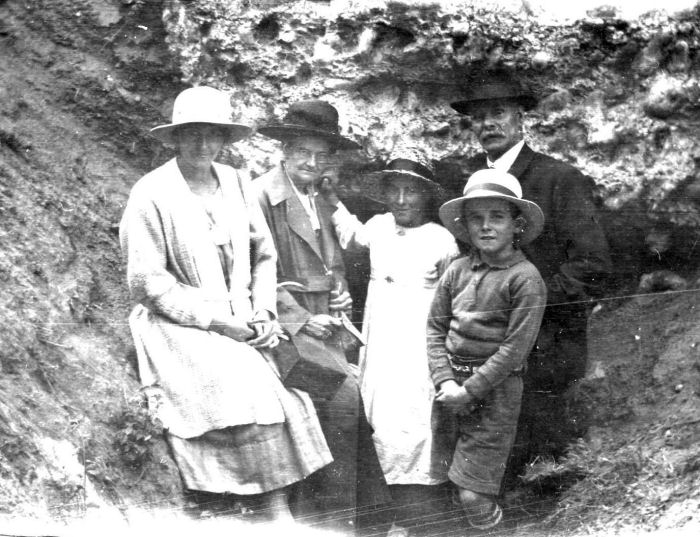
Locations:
column 485, row 439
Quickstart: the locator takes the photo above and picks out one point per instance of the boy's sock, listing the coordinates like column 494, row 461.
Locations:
column 486, row 521
column 482, row 511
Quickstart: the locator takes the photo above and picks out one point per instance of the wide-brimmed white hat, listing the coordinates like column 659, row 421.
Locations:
column 492, row 184
column 202, row 105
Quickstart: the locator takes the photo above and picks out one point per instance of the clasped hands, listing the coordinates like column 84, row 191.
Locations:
column 455, row 398
column 261, row 332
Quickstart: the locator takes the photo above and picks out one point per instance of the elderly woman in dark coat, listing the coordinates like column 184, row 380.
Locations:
column 310, row 259
column 201, row 269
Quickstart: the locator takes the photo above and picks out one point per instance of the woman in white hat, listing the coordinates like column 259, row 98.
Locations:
column 408, row 253
column 201, row 269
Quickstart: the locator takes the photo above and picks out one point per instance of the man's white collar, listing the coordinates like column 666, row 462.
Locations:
column 506, row 160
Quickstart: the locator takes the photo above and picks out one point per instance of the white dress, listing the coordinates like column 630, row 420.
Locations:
column 395, row 382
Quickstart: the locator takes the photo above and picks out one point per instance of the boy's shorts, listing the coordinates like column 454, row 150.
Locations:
column 485, row 438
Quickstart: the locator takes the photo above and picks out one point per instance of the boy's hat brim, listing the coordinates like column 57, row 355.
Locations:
column 452, row 213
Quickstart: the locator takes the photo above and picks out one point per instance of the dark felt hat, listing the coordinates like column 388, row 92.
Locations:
column 309, row 118
column 494, row 87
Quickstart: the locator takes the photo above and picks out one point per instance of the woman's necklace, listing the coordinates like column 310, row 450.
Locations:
column 208, row 201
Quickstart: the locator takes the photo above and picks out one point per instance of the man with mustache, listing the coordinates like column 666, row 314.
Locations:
column 571, row 254
column 312, row 291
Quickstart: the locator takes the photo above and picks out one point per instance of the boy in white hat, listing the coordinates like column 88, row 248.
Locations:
column 483, row 322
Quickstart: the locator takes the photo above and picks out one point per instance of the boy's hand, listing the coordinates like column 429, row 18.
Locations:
column 455, row 397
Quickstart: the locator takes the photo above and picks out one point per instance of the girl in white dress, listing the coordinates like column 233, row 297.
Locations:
column 408, row 254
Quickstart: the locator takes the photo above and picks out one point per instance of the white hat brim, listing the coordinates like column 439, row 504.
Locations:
column 236, row 132
column 451, row 215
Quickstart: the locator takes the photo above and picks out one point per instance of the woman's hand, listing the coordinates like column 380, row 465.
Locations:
column 321, row 326
column 329, row 184
column 340, row 301
column 455, row 397
column 232, row 327
column 266, row 334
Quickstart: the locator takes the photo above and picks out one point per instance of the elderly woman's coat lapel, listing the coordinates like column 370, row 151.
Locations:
column 297, row 219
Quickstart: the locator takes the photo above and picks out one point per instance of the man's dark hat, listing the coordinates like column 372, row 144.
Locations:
column 490, row 88
column 309, row 118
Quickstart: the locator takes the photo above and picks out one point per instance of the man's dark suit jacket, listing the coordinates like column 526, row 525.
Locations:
column 571, row 254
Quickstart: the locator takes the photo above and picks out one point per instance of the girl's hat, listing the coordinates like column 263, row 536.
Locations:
column 492, row 184
column 202, row 105
column 309, row 118
column 404, row 161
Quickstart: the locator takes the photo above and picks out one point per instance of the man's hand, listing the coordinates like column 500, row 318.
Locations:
column 455, row 397
column 321, row 326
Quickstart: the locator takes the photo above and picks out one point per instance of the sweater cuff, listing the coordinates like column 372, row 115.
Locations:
column 441, row 375
column 477, row 385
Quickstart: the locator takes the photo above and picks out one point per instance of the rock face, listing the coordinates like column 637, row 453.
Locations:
column 618, row 98
column 84, row 81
